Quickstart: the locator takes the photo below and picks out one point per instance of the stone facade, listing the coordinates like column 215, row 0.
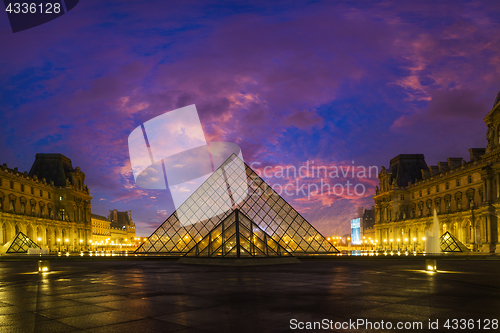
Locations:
column 101, row 229
column 465, row 196
column 50, row 204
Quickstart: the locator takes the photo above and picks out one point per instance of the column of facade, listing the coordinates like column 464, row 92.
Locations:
column 485, row 193
column 488, row 193
column 497, row 185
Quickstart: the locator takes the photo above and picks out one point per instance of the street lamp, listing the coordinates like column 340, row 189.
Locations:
column 81, row 245
column 423, row 240
column 67, row 245
column 414, row 240
column 398, row 244
column 391, row 244
column 59, row 244
column 406, row 244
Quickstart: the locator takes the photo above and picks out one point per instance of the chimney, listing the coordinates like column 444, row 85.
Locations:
column 426, row 174
column 476, row 153
column 454, row 162
column 443, row 166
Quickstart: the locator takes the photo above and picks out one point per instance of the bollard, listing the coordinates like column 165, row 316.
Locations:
column 430, row 265
column 43, row 266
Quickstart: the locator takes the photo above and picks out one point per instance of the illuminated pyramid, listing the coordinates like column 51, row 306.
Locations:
column 19, row 244
column 253, row 197
column 237, row 237
column 450, row 243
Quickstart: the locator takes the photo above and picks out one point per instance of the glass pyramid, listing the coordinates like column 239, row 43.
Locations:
column 450, row 243
column 237, row 237
column 252, row 196
column 19, row 244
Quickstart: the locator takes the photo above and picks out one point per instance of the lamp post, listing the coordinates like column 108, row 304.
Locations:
column 406, row 244
column 385, row 244
column 423, row 240
column 391, row 244
column 398, row 243
column 66, row 244
column 81, row 245
column 414, row 240
column 59, row 244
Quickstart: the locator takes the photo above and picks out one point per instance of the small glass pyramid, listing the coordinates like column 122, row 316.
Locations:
column 253, row 197
column 19, row 244
column 237, row 237
column 450, row 243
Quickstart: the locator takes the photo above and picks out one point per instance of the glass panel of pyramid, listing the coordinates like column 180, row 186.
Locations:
column 450, row 243
column 240, row 238
column 19, row 244
column 252, row 196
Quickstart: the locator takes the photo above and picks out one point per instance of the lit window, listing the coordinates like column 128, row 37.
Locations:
column 61, row 198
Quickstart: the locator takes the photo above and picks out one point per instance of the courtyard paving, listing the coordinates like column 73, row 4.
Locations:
column 164, row 296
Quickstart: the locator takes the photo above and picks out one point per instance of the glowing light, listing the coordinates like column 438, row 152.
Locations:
column 431, row 265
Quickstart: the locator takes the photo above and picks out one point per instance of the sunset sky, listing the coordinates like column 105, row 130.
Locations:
column 340, row 83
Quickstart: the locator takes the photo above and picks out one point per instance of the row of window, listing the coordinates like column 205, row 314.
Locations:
column 417, row 210
column 11, row 185
column 48, row 213
column 446, row 187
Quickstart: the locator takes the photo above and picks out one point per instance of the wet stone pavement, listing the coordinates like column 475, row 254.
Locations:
column 163, row 296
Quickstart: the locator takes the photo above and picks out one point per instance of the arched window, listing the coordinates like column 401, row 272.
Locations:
column 4, row 234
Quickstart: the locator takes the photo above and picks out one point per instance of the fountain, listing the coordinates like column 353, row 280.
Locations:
column 432, row 244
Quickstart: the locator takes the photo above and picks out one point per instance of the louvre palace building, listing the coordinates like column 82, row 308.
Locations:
column 51, row 204
column 465, row 195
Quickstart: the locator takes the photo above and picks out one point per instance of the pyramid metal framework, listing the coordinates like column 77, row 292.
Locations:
column 450, row 243
column 254, row 197
column 19, row 244
column 237, row 237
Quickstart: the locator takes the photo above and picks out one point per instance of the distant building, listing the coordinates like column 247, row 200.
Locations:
column 117, row 228
column 122, row 226
column 356, row 231
column 465, row 196
column 368, row 224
